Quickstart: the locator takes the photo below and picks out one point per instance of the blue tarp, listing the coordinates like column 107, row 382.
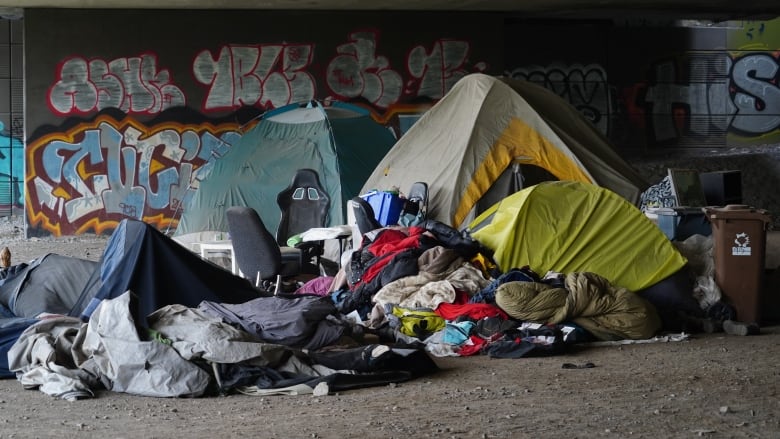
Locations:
column 159, row 272
column 10, row 330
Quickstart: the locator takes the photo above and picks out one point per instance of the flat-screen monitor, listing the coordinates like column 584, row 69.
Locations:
column 687, row 187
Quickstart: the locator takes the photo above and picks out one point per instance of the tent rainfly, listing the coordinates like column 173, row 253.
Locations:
column 568, row 226
column 489, row 137
column 341, row 142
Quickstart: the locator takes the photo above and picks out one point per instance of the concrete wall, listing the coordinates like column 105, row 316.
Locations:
column 11, row 115
column 668, row 95
column 124, row 107
column 652, row 86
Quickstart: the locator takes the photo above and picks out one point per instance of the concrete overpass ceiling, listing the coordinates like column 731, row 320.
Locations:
column 715, row 10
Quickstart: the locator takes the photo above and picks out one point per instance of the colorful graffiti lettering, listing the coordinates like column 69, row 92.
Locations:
column 134, row 85
column 274, row 75
column 267, row 75
column 11, row 170
column 758, row 95
column 96, row 174
column 438, row 70
column 261, row 75
column 357, row 71
column 741, row 95
column 745, row 99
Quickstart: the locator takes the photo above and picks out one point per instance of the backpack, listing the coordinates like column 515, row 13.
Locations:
column 420, row 323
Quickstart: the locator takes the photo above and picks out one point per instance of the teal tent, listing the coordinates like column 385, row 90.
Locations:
column 339, row 141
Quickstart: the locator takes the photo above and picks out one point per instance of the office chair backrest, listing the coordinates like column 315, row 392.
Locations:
column 254, row 247
column 304, row 205
column 364, row 216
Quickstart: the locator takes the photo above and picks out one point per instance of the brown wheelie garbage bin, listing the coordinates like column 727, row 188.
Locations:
column 739, row 251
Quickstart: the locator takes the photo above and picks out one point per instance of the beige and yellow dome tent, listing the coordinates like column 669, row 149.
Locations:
column 483, row 130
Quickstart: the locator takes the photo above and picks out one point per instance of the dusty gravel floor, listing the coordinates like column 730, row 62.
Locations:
column 712, row 385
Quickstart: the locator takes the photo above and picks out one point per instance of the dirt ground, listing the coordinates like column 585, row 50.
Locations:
column 711, row 385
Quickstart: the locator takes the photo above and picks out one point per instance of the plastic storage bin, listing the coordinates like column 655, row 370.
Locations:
column 679, row 223
column 739, row 252
column 387, row 206
column 667, row 218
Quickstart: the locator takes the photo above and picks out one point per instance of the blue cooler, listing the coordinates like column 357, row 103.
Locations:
column 387, row 206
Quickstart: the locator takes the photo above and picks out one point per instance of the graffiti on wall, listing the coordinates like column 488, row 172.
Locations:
column 437, row 70
column 11, row 168
column 583, row 86
column 96, row 174
column 738, row 95
column 134, row 85
column 273, row 75
column 754, row 34
column 741, row 95
column 261, row 75
column 357, row 71
column 266, row 75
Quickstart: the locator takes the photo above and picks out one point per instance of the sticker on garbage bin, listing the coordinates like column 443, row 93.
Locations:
column 741, row 245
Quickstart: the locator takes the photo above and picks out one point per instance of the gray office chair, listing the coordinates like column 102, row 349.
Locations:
column 259, row 257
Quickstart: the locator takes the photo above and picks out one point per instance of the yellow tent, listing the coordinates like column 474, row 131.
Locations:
column 574, row 227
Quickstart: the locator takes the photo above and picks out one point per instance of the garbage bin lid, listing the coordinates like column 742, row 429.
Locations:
column 737, row 211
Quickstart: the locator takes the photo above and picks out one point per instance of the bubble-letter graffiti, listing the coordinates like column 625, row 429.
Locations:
column 101, row 172
column 757, row 98
column 133, row 84
column 438, row 70
column 267, row 75
column 357, row 71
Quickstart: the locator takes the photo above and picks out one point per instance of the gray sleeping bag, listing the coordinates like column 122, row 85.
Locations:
column 52, row 283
